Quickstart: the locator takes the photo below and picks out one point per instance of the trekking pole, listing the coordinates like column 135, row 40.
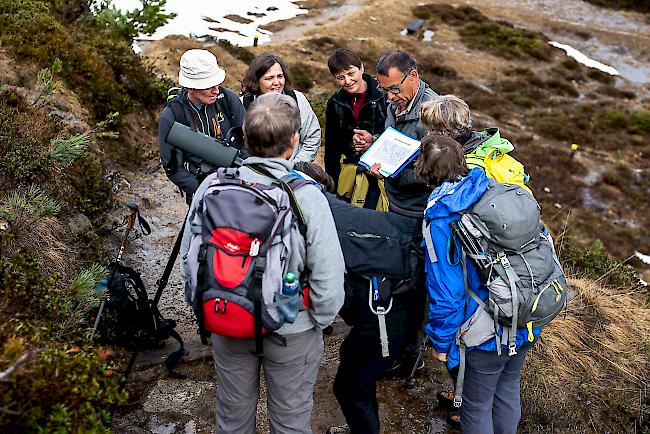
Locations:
column 164, row 279
column 133, row 208
column 174, row 358
column 409, row 382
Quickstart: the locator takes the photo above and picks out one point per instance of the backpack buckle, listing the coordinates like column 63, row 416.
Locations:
column 512, row 348
column 458, row 401
column 504, row 261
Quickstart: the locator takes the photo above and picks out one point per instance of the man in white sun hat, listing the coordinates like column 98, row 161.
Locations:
column 203, row 105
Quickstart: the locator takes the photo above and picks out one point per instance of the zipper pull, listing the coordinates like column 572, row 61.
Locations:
column 255, row 248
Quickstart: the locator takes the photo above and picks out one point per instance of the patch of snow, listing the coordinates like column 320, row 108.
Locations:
column 428, row 34
column 581, row 58
column 203, row 17
column 644, row 258
column 137, row 49
column 404, row 32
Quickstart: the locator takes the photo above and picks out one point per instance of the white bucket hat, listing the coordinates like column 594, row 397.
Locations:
column 199, row 70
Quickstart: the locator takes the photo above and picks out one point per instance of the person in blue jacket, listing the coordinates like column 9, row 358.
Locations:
column 490, row 393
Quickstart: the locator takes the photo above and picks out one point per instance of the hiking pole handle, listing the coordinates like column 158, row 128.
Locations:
column 130, row 223
column 132, row 215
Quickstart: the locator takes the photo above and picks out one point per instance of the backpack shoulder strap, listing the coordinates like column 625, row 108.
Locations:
column 177, row 109
column 247, row 100
column 294, row 182
column 292, row 94
column 288, row 185
column 473, row 160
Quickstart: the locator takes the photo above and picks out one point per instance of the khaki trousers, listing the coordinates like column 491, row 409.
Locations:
column 290, row 374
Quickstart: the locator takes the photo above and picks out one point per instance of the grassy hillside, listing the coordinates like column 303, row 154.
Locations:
column 67, row 79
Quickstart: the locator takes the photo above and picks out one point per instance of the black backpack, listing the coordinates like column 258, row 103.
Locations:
column 130, row 319
column 380, row 245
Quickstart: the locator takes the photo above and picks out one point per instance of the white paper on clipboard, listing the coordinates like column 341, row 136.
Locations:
column 392, row 150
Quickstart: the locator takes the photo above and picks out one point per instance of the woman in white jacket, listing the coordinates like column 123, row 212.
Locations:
column 268, row 73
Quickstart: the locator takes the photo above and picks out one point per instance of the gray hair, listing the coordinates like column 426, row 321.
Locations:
column 446, row 114
column 270, row 122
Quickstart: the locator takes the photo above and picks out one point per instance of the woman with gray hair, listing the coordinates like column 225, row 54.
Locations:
column 450, row 116
column 291, row 360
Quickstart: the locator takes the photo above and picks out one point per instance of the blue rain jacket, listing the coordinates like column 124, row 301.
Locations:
column 449, row 306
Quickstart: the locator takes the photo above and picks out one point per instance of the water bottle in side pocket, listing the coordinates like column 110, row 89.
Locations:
column 290, row 300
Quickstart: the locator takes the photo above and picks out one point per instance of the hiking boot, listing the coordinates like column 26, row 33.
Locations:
column 341, row 429
column 453, row 419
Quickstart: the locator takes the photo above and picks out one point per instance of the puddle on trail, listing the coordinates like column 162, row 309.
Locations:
column 587, row 196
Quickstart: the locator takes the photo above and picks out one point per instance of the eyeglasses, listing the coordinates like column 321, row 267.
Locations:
column 395, row 89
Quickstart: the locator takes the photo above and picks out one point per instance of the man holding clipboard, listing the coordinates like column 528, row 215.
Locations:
column 398, row 78
column 361, row 362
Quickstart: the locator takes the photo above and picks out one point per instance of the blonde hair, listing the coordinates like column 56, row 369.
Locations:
column 446, row 114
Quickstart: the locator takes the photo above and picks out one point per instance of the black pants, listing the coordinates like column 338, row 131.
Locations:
column 361, row 361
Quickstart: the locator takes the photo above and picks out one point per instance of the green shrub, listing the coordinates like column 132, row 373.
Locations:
column 302, row 76
column 319, row 105
column 635, row 5
column 505, row 40
column 598, row 75
column 144, row 20
column 480, row 32
column 594, row 262
column 562, row 87
column 614, row 119
column 448, row 14
column 95, row 194
column 60, row 387
column 22, row 157
column 97, row 59
column 614, row 92
column 640, row 121
column 27, row 297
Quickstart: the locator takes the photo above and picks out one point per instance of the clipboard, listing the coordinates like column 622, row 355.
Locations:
column 393, row 150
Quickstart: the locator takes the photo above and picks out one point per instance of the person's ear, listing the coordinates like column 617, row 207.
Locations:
column 292, row 145
column 362, row 69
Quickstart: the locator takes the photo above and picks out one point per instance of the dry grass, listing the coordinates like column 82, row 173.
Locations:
column 595, row 361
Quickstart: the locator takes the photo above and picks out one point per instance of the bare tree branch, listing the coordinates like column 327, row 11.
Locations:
column 4, row 375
